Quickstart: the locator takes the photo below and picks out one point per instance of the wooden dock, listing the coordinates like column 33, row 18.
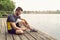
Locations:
column 26, row 36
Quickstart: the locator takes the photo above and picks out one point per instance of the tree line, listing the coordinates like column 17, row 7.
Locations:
column 6, row 5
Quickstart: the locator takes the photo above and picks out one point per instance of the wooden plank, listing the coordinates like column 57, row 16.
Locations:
column 2, row 34
column 46, row 35
column 16, row 37
column 41, row 36
column 23, row 37
column 3, row 26
column 9, row 37
column 34, row 35
column 29, row 36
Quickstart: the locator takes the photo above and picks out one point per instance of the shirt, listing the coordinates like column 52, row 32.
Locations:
column 11, row 18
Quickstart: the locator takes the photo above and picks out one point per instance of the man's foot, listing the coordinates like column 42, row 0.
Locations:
column 33, row 30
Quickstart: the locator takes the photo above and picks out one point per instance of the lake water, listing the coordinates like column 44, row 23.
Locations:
column 48, row 23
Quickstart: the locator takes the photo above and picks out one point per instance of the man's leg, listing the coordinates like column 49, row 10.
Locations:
column 24, row 22
column 21, row 31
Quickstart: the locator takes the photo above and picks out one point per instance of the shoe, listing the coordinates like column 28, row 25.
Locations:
column 33, row 30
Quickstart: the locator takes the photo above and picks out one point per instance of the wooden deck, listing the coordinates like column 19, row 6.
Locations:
column 26, row 36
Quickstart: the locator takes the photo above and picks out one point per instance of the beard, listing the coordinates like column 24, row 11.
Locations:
column 17, row 14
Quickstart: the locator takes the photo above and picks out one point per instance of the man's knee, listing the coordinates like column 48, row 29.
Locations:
column 22, row 21
column 19, row 32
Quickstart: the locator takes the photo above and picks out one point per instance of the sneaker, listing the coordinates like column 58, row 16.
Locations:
column 33, row 30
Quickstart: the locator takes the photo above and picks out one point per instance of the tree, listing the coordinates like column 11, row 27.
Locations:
column 6, row 5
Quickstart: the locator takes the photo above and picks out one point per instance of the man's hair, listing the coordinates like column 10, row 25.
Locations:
column 19, row 8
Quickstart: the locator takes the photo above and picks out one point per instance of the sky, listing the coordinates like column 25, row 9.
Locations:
column 38, row 5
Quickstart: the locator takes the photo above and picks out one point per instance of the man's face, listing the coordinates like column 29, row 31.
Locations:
column 18, row 12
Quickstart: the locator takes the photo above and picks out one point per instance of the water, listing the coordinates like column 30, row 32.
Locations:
column 48, row 23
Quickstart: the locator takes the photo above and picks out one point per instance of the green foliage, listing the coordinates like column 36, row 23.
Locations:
column 6, row 5
column 0, row 14
column 5, row 13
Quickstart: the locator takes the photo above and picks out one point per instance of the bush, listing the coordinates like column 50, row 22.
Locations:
column 5, row 13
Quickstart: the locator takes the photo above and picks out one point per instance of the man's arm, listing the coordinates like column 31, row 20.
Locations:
column 14, row 26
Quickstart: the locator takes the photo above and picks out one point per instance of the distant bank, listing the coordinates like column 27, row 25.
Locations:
column 6, row 13
column 42, row 12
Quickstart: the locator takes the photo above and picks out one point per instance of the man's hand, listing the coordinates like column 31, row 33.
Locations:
column 14, row 26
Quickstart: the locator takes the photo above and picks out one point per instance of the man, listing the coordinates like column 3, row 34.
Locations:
column 14, row 22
